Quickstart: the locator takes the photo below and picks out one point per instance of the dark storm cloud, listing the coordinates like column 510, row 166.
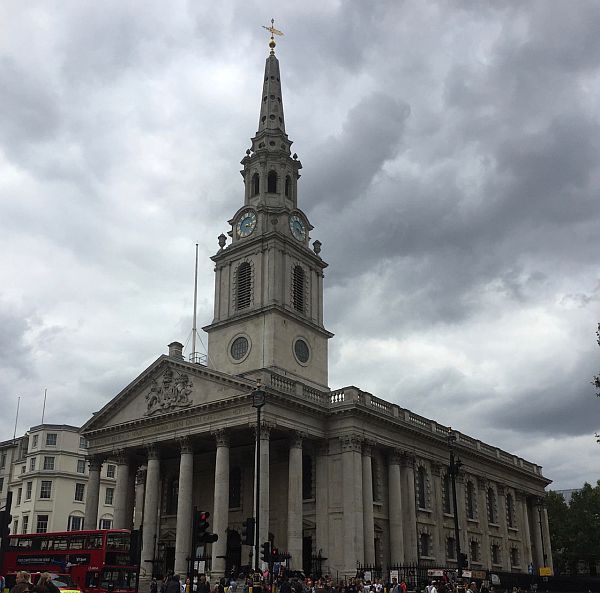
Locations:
column 450, row 170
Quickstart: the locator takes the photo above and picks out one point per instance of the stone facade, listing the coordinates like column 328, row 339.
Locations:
column 344, row 475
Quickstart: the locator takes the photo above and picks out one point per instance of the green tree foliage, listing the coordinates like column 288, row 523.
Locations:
column 575, row 528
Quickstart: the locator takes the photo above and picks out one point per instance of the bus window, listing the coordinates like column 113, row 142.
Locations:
column 118, row 541
column 94, row 541
column 77, row 542
column 60, row 543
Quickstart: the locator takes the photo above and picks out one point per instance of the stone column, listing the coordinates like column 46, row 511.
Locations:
column 525, row 534
column 461, row 497
column 367, row 499
column 90, row 520
column 486, row 552
column 409, row 507
column 503, row 521
column 439, row 542
column 322, row 500
column 265, row 432
column 120, row 498
column 140, row 484
column 130, row 505
column 537, row 533
column 395, row 509
column 351, row 449
column 150, row 524
column 221, row 503
column 294, row 530
column 185, row 517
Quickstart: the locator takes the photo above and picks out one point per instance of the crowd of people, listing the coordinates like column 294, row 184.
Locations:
column 261, row 583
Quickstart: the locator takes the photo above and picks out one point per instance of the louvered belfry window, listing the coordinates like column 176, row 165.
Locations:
column 298, row 298
column 244, row 285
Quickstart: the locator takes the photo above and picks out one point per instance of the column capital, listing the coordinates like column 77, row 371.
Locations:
column 222, row 437
column 367, row 448
column 395, row 457
column 296, row 439
column 140, row 476
column 322, row 448
column 121, row 456
column 408, row 459
column 185, row 444
column 482, row 484
column 95, row 462
column 436, row 468
column 265, row 430
column 351, row 442
column 152, row 451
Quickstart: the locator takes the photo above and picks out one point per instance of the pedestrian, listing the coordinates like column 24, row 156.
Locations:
column 45, row 584
column 173, row 584
column 153, row 586
column 23, row 582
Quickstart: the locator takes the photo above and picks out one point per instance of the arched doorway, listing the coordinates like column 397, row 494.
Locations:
column 233, row 556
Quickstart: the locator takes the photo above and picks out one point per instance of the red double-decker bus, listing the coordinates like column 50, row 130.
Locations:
column 97, row 561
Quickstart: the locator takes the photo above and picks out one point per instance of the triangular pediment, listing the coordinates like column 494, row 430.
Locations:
column 166, row 387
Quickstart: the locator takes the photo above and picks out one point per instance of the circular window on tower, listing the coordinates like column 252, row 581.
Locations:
column 301, row 351
column 239, row 348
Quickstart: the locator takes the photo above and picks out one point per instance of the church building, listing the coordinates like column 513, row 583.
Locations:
column 346, row 478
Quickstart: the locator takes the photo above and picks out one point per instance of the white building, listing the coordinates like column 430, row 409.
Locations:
column 46, row 470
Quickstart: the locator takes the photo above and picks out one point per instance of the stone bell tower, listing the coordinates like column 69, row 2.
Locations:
column 268, row 281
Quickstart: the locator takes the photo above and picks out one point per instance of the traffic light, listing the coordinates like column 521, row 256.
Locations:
column 5, row 522
column 265, row 555
column 201, row 526
column 274, row 555
column 464, row 560
column 248, row 531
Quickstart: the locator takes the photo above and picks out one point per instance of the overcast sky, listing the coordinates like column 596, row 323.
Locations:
column 450, row 168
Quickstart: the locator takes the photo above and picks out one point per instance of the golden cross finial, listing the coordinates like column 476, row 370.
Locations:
column 273, row 32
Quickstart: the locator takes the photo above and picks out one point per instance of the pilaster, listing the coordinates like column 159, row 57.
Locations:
column 395, row 508
column 409, row 506
column 367, row 499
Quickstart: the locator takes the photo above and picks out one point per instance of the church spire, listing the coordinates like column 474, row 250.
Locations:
column 271, row 107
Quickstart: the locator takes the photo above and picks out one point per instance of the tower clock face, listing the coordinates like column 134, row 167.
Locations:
column 297, row 227
column 246, row 223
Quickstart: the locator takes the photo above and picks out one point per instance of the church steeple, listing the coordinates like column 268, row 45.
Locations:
column 269, row 282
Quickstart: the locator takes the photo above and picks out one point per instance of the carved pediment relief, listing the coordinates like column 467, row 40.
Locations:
column 171, row 391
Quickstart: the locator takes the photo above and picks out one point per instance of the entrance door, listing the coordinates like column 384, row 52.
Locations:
column 307, row 566
column 233, row 557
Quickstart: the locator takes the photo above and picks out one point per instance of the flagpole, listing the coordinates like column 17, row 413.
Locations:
column 17, row 417
column 195, row 300
column 44, row 408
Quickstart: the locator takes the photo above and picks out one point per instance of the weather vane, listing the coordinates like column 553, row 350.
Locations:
column 273, row 32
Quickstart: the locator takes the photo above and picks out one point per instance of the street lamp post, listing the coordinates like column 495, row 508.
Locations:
column 453, row 469
column 258, row 401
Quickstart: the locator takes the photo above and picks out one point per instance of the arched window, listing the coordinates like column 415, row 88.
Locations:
column 421, row 485
column 288, row 187
column 307, row 477
column 510, row 510
column 255, row 184
column 496, row 554
column 491, row 496
column 298, row 300
column 474, row 549
column 235, row 487
column 244, row 285
column 172, row 495
column 450, row 548
column 425, row 541
column 272, row 182
column 447, row 500
column 470, row 500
